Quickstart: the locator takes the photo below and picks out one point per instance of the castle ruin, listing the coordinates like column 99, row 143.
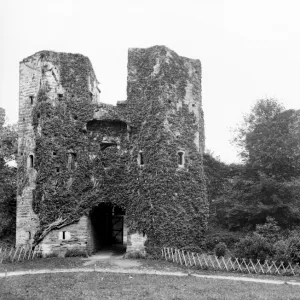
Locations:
column 91, row 175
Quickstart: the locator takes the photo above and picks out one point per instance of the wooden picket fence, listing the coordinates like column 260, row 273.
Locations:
column 212, row 262
column 20, row 253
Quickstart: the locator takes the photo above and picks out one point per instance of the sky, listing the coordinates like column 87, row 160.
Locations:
column 249, row 50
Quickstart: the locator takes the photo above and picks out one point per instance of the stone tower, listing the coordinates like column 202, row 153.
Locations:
column 40, row 71
column 91, row 174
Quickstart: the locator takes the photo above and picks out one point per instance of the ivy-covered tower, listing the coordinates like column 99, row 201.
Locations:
column 164, row 104
column 93, row 175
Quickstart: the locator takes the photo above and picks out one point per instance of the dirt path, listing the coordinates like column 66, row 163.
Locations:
column 133, row 271
column 111, row 262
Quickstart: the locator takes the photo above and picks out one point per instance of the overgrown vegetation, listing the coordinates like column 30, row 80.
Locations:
column 8, row 181
column 257, row 204
column 254, row 207
column 111, row 173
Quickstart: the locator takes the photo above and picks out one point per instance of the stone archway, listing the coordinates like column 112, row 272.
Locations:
column 106, row 228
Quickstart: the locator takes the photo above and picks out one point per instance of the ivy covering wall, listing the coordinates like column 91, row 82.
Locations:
column 87, row 153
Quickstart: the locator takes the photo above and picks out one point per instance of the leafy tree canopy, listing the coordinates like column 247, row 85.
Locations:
column 8, row 178
column 269, row 140
column 268, row 184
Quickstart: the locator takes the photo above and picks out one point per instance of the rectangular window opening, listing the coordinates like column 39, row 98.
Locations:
column 60, row 96
column 30, row 161
column 180, row 158
column 72, row 161
column 141, row 159
column 63, row 235
column 31, row 99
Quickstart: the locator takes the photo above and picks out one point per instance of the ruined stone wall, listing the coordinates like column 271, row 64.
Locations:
column 73, row 236
column 29, row 83
column 88, row 153
column 164, row 104
column 38, row 72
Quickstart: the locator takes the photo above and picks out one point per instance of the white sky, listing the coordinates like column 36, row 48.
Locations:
column 248, row 49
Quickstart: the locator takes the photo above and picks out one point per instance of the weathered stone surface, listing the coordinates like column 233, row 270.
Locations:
column 162, row 120
column 136, row 243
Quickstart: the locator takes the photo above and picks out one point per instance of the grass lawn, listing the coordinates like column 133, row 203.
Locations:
column 111, row 286
column 147, row 264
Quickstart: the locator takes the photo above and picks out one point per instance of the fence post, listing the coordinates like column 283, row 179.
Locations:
column 165, row 253
column 172, row 255
column 169, row 255
column 10, row 252
column 17, row 248
column 253, row 266
column 176, row 255
column 200, row 263
column 179, row 256
column 194, row 259
column 182, row 251
column 25, row 252
column 20, row 253
column 29, row 252
column 217, row 260
column 188, row 255
column 34, row 252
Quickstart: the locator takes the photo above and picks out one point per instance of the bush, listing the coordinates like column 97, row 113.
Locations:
column 135, row 255
column 254, row 247
column 281, row 251
column 153, row 252
column 50, row 255
column 220, row 249
column 270, row 230
column 76, row 253
column 293, row 248
column 217, row 236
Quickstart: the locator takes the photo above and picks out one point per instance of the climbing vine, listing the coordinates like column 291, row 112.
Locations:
column 161, row 200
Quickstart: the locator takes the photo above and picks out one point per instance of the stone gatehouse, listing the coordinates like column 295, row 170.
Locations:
column 91, row 175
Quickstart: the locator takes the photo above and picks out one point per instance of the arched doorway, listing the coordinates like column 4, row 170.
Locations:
column 107, row 228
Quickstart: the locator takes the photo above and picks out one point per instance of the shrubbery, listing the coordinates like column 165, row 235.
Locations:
column 288, row 250
column 216, row 236
column 254, row 246
column 76, row 253
column 267, row 242
column 220, row 249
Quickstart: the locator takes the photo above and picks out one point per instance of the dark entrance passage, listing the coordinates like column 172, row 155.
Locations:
column 107, row 228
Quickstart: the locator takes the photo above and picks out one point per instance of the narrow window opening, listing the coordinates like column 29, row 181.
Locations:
column 71, row 161
column 63, row 235
column 180, row 158
column 29, row 235
column 57, row 169
column 30, row 161
column 31, row 99
column 141, row 158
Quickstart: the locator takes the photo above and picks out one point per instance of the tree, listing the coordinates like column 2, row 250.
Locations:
column 261, row 113
column 274, row 148
column 8, row 179
column 269, row 183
